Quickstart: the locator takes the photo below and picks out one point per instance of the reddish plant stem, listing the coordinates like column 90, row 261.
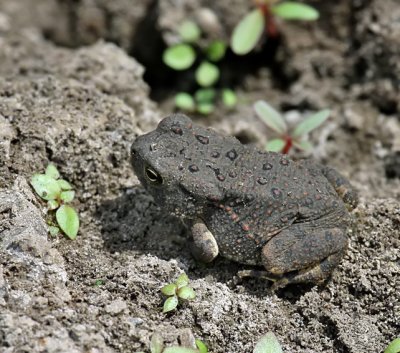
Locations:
column 288, row 144
column 270, row 25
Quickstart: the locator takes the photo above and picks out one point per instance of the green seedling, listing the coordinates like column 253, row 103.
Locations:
column 394, row 346
column 179, row 289
column 204, row 100
column 201, row 346
column 188, row 52
column 58, row 193
column 157, row 346
column 98, row 282
column 262, row 21
column 296, row 137
column 268, row 344
column 184, row 54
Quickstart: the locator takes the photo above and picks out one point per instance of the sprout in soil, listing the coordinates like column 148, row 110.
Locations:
column 185, row 54
column 179, row 289
column 268, row 344
column 261, row 20
column 157, row 346
column 288, row 138
column 393, row 347
column 58, row 193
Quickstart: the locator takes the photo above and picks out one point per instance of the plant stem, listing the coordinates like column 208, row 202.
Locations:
column 270, row 25
column 288, row 144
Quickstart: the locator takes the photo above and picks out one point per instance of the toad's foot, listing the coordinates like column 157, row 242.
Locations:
column 315, row 274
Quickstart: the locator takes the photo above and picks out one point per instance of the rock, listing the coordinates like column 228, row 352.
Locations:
column 377, row 49
column 79, row 23
column 116, row 307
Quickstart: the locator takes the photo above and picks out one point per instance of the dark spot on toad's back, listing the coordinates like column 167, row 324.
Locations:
column 267, row 166
column 276, row 193
column 284, row 161
column 177, row 130
column 262, row 180
column 193, row 168
column 220, row 177
column 232, row 154
column 202, row 139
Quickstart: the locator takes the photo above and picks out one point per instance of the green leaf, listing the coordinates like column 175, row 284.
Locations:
column 216, row 50
column 180, row 350
column 170, row 304
column 291, row 10
column 52, row 171
column 169, row 289
column 182, row 280
column 45, row 186
column 303, row 145
column 64, row 185
column 205, row 108
column 189, row 31
column 68, row 220
column 268, row 344
column 156, row 343
column 205, row 95
column 186, row 293
column 206, row 74
column 311, row 123
column 275, row 145
column 229, row 98
column 201, row 346
column 185, row 101
column 393, row 347
column 98, row 282
column 52, row 204
column 270, row 117
column 179, row 57
column 248, row 32
column 67, row 196
column 54, row 231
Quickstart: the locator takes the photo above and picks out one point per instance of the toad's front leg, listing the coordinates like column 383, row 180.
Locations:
column 204, row 247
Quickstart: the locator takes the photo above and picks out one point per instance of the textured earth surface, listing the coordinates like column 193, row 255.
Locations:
column 82, row 108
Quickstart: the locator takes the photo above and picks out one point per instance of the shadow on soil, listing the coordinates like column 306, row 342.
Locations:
column 132, row 222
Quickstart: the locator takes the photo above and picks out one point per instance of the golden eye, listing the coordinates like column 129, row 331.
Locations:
column 153, row 176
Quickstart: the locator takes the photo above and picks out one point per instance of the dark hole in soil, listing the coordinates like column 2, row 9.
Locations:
column 233, row 68
column 392, row 165
column 332, row 331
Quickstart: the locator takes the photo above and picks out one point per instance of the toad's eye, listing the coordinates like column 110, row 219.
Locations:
column 153, row 176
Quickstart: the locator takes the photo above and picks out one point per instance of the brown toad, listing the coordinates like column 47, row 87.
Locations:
column 251, row 206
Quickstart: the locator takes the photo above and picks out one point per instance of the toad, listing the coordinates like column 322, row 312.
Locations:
column 253, row 207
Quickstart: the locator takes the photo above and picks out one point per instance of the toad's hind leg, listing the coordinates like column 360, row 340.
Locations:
column 300, row 254
column 342, row 186
column 314, row 274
